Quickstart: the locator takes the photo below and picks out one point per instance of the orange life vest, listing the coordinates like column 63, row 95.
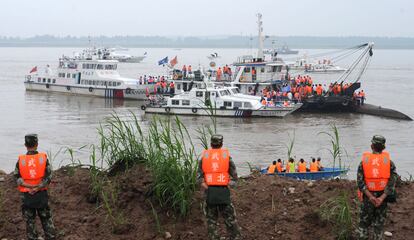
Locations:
column 264, row 102
column 215, row 165
column 271, row 169
column 32, row 169
column 279, row 166
column 377, row 170
column 314, row 167
column 302, row 167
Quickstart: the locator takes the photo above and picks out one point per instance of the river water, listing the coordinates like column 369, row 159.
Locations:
column 71, row 121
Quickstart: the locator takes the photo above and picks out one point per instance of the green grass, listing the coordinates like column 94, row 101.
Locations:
column 171, row 157
column 166, row 149
column 110, row 200
column 336, row 150
column 289, row 146
column 339, row 211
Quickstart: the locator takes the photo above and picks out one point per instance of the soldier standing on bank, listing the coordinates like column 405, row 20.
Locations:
column 376, row 180
column 33, row 175
column 215, row 170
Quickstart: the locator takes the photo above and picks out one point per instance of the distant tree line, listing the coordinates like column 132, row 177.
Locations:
column 207, row 42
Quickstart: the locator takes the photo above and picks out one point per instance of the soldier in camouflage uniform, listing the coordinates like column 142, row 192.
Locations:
column 212, row 208
column 33, row 188
column 373, row 209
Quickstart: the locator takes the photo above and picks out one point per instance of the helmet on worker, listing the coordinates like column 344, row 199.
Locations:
column 378, row 143
column 31, row 140
column 216, row 141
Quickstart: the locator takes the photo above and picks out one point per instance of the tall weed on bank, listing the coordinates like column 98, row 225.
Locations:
column 171, row 157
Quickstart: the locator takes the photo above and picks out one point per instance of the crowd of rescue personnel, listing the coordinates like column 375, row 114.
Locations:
column 303, row 87
column 291, row 166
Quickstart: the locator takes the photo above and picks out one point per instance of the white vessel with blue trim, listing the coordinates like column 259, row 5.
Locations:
column 86, row 74
column 206, row 98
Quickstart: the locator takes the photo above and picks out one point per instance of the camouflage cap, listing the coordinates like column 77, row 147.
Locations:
column 30, row 139
column 217, row 139
column 378, row 139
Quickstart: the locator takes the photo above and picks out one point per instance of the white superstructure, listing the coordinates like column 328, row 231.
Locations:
column 206, row 98
column 87, row 75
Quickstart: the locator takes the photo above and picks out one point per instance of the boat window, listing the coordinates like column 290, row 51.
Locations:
column 39, row 79
column 178, row 86
column 44, row 79
column 73, row 75
column 68, row 75
column 247, row 105
column 175, row 102
column 84, row 66
column 186, row 102
column 237, row 104
column 262, row 70
column 213, row 94
column 199, row 94
column 235, row 90
column 227, row 104
column 246, row 69
column 119, row 84
column 48, row 80
column 106, row 83
column 54, row 81
column 109, row 83
column 100, row 66
column 224, row 93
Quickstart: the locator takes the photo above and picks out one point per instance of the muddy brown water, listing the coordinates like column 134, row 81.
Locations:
column 71, row 121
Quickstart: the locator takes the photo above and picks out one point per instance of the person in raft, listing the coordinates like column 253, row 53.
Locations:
column 376, row 178
column 215, row 170
column 33, row 175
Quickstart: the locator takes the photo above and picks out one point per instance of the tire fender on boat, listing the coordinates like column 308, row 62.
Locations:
column 28, row 77
column 143, row 107
column 345, row 102
column 167, row 109
column 90, row 89
column 47, row 85
column 68, row 88
column 194, row 110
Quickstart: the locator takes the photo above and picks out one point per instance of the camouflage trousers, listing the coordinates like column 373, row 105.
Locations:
column 372, row 216
column 45, row 215
column 228, row 213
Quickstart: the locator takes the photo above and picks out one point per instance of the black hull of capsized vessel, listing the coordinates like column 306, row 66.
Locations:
column 334, row 104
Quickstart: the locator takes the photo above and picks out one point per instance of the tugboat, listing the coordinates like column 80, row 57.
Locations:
column 86, row 74
column 206, row 99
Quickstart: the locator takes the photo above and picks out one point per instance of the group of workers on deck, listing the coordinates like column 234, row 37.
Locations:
column 224, row 73
column 292, row 167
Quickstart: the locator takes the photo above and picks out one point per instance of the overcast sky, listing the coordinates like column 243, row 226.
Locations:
column 207, row 17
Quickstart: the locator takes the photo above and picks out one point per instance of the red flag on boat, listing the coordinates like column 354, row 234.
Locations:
column 173, row 61
column 33, row 70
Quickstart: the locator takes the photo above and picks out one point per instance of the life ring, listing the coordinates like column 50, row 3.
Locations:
column 194, row 110
column 143, row 107
column 167, row 109
column 345, row 102
column 90, row 89
column 47, row 85
column 28, row 77
column 68, row 88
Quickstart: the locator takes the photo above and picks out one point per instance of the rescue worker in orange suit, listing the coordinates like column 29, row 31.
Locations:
column 376, row 178
column 33, row 175
column 302, row 166
column 313, row 166
column 272, row 168
column 216, row 173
